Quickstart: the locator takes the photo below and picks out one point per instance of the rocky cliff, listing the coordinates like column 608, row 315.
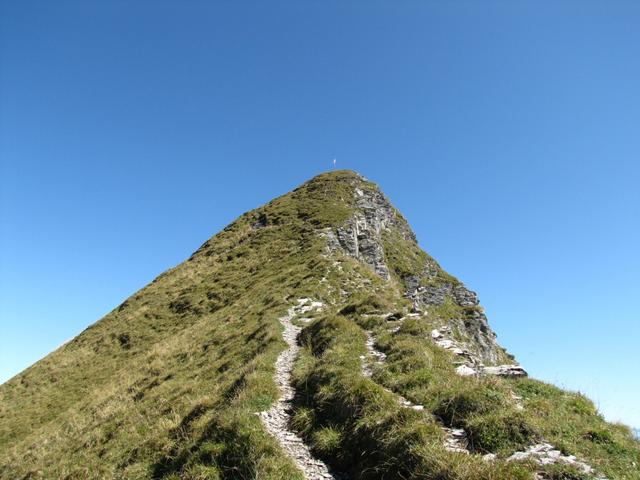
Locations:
column 373, row 223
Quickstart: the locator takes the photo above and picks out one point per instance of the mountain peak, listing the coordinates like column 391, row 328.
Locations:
column 312, row 338
column 354, row 218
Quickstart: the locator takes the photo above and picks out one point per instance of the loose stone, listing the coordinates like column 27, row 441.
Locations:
column 276, row 420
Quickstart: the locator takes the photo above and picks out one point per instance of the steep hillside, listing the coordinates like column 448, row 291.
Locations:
column 311, row 338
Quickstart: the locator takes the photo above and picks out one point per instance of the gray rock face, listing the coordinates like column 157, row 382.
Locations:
column 505, row 371
column 476, row 328
column 469, row 364
column 464, row 297
column 473, row 324
column 361, row 240
column 361, row 236
column 437, row 294
column 431, row 295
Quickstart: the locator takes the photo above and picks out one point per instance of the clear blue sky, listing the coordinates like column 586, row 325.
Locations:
column 507, row 132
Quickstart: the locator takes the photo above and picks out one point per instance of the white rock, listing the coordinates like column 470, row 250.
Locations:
column 505, row 371
column 465, row 371
column 546, row 454
column 446, row 343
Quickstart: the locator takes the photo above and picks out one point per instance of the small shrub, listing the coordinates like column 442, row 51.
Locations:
column 598, row 436
column 499, row 431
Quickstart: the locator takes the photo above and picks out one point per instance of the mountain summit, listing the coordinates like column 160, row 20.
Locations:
column 311, row 338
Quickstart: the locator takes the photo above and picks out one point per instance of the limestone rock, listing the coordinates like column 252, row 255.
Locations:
column 472, row 323
column 547, row 454
column 465, row 371
column 361, row 236
column 505, row 371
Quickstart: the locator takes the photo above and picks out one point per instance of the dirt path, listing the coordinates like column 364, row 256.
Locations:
column 277, row 419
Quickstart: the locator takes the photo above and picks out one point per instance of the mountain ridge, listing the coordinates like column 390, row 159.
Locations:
column 393, row 373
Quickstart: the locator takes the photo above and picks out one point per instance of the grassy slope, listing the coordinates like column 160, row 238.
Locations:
column 180, row 365
column 357, row 426
column 167, row 384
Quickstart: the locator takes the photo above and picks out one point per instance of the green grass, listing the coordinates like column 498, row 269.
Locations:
column 484, row 407
column 571, row 422
column 406, row 258
column 176, row 373
column 166, row 386
column 361, row 429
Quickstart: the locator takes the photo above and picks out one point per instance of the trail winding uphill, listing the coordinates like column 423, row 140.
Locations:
column 277, row 419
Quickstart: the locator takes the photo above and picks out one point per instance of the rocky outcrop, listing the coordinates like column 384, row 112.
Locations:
column 361, row 238
column 472, row 322
column 505, row 371
column 422, row 289
column 361, row 235
column 547, row 454
column 470, row 364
